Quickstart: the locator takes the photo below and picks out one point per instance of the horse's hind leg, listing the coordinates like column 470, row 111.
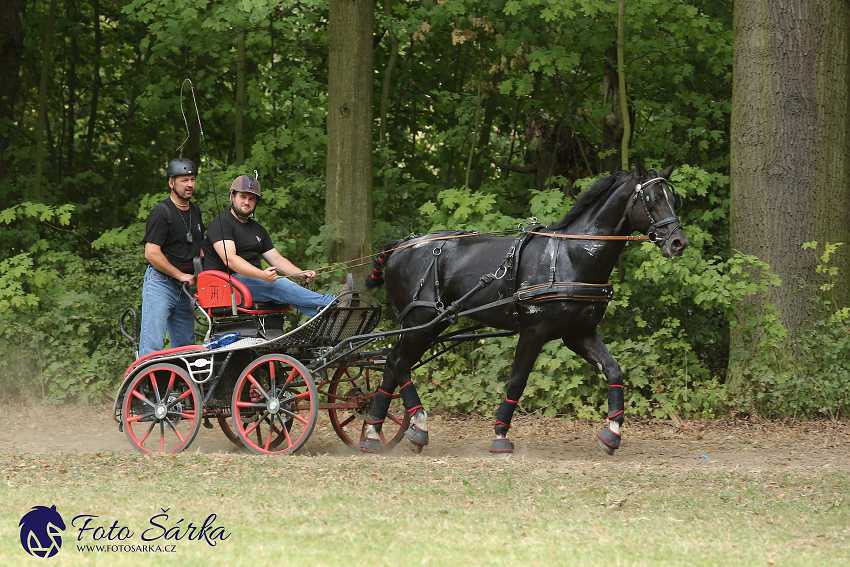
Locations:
column 406, row 352
column 527, row 350
column 593, row 350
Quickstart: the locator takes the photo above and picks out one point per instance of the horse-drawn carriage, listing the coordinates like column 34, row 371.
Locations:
column 266, row 389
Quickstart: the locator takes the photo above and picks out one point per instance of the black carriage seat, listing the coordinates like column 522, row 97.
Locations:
column 214, row 296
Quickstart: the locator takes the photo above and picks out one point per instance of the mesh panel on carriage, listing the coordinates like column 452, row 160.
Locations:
column 332, row 326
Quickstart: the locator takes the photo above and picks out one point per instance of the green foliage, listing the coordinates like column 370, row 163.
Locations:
column 58, row 315
column 817, row 380
column 462, row 70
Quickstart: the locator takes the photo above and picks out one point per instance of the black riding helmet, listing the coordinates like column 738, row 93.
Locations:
column 180, row 166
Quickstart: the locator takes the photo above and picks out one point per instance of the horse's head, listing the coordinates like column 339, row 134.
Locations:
column 656, row 214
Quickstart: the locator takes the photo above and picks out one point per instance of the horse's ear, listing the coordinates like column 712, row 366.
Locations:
column 668, row 172
column 640, row 171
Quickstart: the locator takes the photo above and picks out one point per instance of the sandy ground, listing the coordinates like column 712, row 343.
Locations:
column 760, row 444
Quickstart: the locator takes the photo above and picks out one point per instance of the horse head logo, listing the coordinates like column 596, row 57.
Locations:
column 41, row 530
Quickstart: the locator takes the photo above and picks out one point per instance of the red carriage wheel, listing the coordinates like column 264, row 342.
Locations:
column 275, row 405
column 226, row 424
column 162, row 409
column 357, row 386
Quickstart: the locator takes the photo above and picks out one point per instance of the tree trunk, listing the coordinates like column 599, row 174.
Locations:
column 118, row 197
column 612, row 127
column 72, row 90
column 385, row 90
column 41, row 124
column 240, row 97
column 11, row 53
column 349, row 173
column 484, row 138
column 95, row 89
column 790, row 153
column 621, row 75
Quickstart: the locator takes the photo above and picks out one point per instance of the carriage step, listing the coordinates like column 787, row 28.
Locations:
column 503, row 445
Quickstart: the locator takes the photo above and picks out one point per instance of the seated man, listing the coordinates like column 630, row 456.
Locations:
column 235, row 243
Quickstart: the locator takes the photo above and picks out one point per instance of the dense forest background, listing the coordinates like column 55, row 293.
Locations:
column 484, row 113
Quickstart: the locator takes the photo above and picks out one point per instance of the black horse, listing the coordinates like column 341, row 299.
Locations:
column 546, row 287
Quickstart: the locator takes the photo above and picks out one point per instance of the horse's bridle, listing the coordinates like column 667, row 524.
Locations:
column 652, row 231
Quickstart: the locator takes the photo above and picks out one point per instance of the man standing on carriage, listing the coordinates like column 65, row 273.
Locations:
column 235, row 243
column 172, row 239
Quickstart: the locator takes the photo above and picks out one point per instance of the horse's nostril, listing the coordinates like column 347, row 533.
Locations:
column 677, row 244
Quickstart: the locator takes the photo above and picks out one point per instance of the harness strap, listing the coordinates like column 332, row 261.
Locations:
column 552, row 263
column 438, row 304
column 561, row 291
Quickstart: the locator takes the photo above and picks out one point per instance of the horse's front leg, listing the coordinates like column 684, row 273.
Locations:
column 406, row 352
column 593, row 350
column 527, row 349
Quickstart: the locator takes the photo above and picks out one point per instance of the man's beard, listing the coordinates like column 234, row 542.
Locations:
column 239, row 213
column 189, row 198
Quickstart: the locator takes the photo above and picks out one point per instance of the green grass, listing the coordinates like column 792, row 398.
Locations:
column 370, row 511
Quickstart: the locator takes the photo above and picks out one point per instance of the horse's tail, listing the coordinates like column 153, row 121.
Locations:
column 376, row 278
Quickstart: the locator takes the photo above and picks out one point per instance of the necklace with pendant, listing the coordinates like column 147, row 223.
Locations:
column 189, row 238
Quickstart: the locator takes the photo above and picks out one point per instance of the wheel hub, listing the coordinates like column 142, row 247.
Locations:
column 363, row 407
column 273, row 406
column 160, row 411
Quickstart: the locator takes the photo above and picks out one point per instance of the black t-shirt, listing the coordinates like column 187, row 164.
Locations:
column 167, row 227
column 250, row 238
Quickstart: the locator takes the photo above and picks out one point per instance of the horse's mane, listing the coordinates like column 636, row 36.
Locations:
column 600, row 191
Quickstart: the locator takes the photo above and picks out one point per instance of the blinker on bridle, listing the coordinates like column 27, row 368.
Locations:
column 648, row 200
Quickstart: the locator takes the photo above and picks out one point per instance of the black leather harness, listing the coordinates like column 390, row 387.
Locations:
column 508, row 270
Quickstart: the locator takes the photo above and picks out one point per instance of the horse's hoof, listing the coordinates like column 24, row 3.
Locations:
column 415, row 447
column 373, row 446
column 608, row 440
column 502, row 446
column 417, row 435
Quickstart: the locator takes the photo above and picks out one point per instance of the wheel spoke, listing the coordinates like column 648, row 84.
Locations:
column 300, row 396
column 289, row 378
column 139, row 417
column 250, row 405
column 142, row 442
column 170, row 385
column 268, row 439
column 256, row 423
column 183, row 396
column 139, row 395
column 295, row 416
column 351, row 418
column 155, row 388
column 174, row 429
column 162, row 437
column 272, row 376
column 257, row 385
column 395, row 420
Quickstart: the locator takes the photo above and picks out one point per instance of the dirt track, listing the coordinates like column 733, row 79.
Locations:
column 692, row 444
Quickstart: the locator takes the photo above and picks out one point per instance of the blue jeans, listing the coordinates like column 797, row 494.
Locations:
column 286, row 291
column 164, row 307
